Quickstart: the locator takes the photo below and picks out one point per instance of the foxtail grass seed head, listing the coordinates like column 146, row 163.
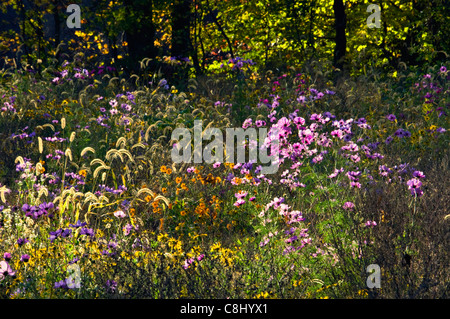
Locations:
column 20, row 160
column 63, row 123
column 68, row 153
column 39, row 168
column 40, row 145
column 87, row 149
column 72, row 137
column 3, row 191
column 121, row 141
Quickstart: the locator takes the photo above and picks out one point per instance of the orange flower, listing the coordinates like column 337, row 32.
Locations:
column 178, row 180
column 82, row 173
column 183, row 213
column 164, row 190
column 168, row 171
column 163, row 169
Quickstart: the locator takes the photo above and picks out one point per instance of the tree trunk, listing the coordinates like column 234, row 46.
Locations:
column 181, row 46
column 181, row 20
column 57, row 23
column 141, row 35
column 340, row 23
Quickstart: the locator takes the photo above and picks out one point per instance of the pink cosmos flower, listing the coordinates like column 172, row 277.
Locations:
column 239, row 202
column 370, row 223
column 348, row 206
column 119, row 214
column 414, row 186
column 418, row 174
column 5, row 269
column 191, row 169
column 241, row 194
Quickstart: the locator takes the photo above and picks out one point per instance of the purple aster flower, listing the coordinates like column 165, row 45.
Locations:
column 111, row 286
column 78, row 224
column 54, row 234
column 418, row 174
column 22, row 241
column 66, row 232
column 348, row 137
column 61, row 284
column 7, row 256
column 389, row 140
column 127, row 229
column 264, row 242
column 87, row 231
column 402, row 133
column 391, row 117
column 25, row 258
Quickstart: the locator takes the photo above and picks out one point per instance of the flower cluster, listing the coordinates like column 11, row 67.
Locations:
column 188, row 262
column 414, row 185
column 44, row 209
column 9, row 106
column 238, row 63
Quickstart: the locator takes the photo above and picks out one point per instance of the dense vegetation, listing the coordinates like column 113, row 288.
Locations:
column 93, row 206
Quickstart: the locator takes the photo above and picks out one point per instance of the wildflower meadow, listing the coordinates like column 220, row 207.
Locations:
column 93, row 204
